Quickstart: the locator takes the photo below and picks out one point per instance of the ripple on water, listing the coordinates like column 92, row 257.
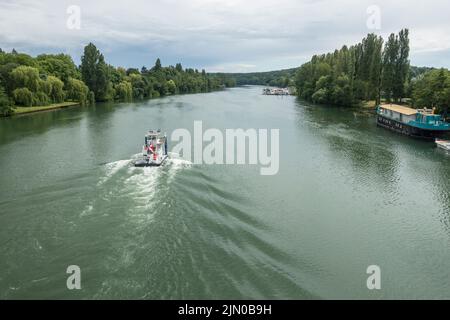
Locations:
column 138, row 196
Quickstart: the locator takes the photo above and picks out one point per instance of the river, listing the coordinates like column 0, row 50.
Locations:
column 347, row 195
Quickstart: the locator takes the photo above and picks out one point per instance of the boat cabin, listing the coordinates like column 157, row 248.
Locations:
column 421, row 118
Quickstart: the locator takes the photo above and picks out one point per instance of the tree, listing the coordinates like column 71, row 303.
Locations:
column 23, row 97
column 157, row 66
column 432, row 90
column 396, row 66
column 5, row 103
column 5, row 76
column 51, row 78
column 56, row 92
column 78, row 91
column 389, row 64
column 358, row 73
column 25, row 77
column 58, row 65
column 139, row 85
column 171, row 87
column 402, row 66
column 18, row 58
column 124, row 91
column 94, row 72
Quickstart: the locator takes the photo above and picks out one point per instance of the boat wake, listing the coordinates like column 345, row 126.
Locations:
column 141, row 189
column 112, row 168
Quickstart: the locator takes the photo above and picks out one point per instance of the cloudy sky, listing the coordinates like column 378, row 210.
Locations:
column 221, row 35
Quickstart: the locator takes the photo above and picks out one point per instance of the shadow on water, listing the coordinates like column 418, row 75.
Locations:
column 19, row 127
column 379, row 155
column 442, row 186
column 352, row 136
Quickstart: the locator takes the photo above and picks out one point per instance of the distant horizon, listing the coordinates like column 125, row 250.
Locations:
column 78, row 62
column 227, row 36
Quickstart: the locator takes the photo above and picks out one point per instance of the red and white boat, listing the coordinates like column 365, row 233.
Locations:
column 154, row 151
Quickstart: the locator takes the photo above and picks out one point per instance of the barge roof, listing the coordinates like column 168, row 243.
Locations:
column 400, row 109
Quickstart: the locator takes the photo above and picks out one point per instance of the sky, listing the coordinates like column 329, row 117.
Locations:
column 221, row 35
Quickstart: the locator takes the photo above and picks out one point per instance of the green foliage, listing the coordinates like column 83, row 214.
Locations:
column 138, row 84
column 60, row 65
column 157, row 66
column 23, row 97
column 18, row 59
column 95, row 72
column 40, row 99
column 432, row 90
column 78, row 91
column 56, row 92
column 25, row 77
column 171, row 86
column 5, row 76
column 52, row 78
column 281, row 78
column 395, row 66
column 124, row 91
column 5, row 103
column 357, row 73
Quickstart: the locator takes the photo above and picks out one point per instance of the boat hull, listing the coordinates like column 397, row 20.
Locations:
column 408, row 130
column 149, row 163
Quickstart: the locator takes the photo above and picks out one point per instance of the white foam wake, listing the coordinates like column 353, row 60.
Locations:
column 112, row 168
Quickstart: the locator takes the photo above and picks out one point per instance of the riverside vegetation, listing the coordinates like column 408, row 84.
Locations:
column 373, row 71
column 50, row 80
column 369, row 71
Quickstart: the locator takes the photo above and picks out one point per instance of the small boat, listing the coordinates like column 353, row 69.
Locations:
column 444, row 144
column 276, row 91
column 154, row 151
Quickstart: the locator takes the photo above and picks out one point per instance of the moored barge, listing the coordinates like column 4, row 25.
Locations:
column 416, row 123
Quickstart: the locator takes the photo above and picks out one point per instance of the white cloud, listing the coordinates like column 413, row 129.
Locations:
column 235, row 35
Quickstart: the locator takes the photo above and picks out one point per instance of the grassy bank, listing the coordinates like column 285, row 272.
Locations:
column 24, row 110
column 371, row 104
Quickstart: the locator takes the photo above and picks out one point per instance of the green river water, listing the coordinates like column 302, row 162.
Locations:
column 347, row 195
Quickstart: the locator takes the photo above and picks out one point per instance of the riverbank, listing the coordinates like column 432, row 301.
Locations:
column 35, row 109
column 336, row 165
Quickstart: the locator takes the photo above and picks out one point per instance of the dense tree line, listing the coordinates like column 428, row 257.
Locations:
column 45, row 79
column 108, row 82
column 368, row 70
column 373, row 70
column 48, row 78
column 279, row 78
column 432, row 90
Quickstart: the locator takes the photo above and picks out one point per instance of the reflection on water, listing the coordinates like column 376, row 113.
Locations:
column 348, row 195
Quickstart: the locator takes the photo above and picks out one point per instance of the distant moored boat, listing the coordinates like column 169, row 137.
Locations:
column 276, row 91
